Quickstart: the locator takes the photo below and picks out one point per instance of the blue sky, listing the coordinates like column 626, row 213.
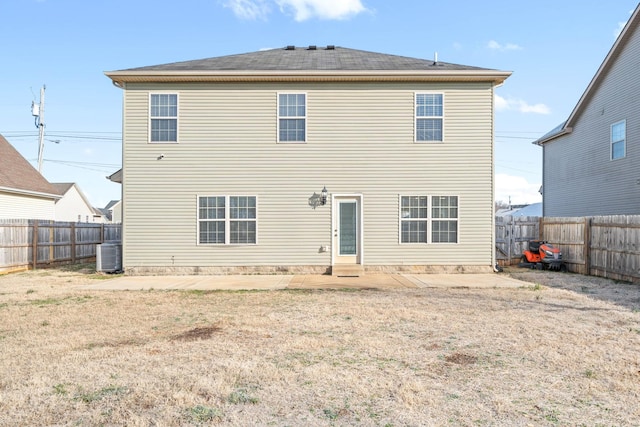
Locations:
column 553, row 48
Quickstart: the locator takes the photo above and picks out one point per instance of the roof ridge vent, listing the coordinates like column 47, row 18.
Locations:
column 331, row 47
column 290, row 47
column 312, row 47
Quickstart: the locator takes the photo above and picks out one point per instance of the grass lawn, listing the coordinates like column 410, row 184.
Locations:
column 538, row 355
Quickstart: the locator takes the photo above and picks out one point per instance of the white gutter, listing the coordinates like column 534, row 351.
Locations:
column 30, row 193
column 141, row 76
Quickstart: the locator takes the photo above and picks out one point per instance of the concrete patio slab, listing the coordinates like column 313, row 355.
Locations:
column 368, row 281
column 308, row 281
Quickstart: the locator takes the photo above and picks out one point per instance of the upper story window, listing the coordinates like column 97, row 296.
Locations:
column 163, row 112
column 429, row 116
column 618, row 138
column 292, row 117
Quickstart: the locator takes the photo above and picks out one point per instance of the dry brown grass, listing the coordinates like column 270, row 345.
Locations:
column 538, row 355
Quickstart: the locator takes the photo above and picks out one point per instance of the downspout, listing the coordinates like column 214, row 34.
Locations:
column 494, row 262
column 123, row 86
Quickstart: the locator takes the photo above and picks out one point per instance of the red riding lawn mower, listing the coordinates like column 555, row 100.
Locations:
column 542, row 255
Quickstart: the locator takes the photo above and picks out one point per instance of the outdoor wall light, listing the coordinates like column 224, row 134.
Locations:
column 323, row 196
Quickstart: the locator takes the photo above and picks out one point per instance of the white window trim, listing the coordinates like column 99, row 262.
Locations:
column 227, row 220
column 624, row 140
column 429, row 220
column 456, row 219
column 149, row 141
column 416, row 117
column 400, row 196
column 305, row 117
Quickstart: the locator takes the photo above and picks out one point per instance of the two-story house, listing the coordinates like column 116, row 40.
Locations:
column 591, row 162
column 308, row 159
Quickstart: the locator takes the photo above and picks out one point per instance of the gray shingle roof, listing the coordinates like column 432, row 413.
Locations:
column 62, row 187
column 304, row 58
column 17, row 174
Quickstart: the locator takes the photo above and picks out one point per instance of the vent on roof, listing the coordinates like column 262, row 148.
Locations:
column 331, row 47
column 290, row 48
column 312, row 47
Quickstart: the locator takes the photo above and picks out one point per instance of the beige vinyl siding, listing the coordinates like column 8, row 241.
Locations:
column 16, row 206
column 579, row 178
column 360, row 139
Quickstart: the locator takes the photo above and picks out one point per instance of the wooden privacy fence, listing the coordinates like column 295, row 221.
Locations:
column 33, row 243
column 512, row 235
column 605, row 246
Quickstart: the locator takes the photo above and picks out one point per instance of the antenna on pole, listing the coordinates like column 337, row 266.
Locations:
column 37, row 110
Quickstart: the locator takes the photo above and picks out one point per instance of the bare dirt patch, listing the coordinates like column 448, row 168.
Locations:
column 461, row 359
column 548, row 353
column 201, row 333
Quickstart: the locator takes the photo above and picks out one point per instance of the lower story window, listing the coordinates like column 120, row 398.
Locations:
column 444, row 224
column 227, row 220
column 425, row 219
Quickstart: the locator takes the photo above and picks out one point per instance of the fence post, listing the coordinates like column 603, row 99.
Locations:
column 508, row 230
column 541, row 228
column 52, row 255
column 101, row 233
column 73, row 243
column 586, row 254
column 34, row 245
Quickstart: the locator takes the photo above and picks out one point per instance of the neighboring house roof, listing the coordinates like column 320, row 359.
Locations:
column 107, row 210
column 17, row 175
column 111, row 204
column 534, row 209
column 307, row 64
column 632, row 25
column 556, row 131
column 62, row 187
column 116, row 176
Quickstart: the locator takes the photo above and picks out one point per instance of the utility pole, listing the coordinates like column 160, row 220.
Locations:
column 38, row 111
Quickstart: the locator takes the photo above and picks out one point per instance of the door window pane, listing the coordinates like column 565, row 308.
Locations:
column 348, row 228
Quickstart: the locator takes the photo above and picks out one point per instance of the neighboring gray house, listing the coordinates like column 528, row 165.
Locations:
column 24, row 192
column 308, row 160
column 591, row 162
column 113, row 211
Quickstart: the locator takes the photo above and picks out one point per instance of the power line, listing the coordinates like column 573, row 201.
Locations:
column 84, row 163
column 515, row 169
column 104, row 138
column 515, row 137
column 78, row 165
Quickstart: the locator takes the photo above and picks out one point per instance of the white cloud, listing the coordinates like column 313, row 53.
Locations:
column 322, row 9
column 300, row 9
column 513, row 104
column 248, row 9
column 457, row 45
column 501, row 104
column 494, row 45
column 621, row 25
column 518, row 188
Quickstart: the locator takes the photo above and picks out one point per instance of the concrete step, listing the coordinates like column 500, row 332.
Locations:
column 347, row 270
